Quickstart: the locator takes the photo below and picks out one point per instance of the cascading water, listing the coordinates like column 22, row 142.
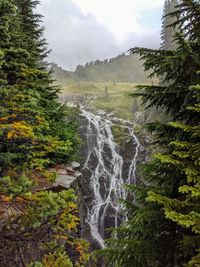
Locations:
column 104, row 167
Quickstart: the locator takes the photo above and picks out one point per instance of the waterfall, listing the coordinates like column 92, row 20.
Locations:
column 104, row 165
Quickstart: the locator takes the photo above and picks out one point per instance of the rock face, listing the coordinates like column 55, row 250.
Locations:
column 106, row 167
column 66, row 175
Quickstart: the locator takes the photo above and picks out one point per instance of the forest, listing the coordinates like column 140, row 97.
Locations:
column 100, row 166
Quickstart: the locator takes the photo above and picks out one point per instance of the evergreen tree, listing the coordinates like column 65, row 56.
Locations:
column 31, row 31
column 55, row 113
column 185, row 209
column 28, row 144
column 163, row 228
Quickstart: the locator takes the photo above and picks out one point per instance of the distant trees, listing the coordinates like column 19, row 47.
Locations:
column 34, row 135
column 163, row 227
column 168, row 33
column 100, row 62
column 122, row 68
column 80, row 71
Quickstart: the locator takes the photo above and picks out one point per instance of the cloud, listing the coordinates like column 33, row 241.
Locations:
column 150, row 39
column 77, row 35
column 120, row 16
column 73, row 37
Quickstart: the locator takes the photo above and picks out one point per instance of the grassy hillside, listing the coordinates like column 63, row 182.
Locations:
column 109, row 96
column 120, row 69
column 106, row 85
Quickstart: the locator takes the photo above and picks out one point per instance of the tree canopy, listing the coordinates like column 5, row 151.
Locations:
column 163, row 228
column 35, row 134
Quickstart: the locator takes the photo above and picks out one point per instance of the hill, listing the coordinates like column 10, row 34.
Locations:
column 123, row 68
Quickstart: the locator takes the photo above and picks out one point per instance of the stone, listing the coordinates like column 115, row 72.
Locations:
column 75, row 165
column 65, row 180
column 62, row 171
column 77, row 174
column 69, row 169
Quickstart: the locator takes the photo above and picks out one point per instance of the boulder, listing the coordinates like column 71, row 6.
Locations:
column 75, row 165
column 61, row 171
column 64, row 180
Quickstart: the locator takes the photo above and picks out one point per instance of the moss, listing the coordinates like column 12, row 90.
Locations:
column 120, row 134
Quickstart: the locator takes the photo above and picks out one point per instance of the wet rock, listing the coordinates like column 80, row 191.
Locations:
column 77, row 174
column 64, row 180
column 69, row 169
column 105, row 167
column 104, row 183
column 61, row 172
column 75, row 165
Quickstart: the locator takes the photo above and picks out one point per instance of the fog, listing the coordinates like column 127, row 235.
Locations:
column 76, row 37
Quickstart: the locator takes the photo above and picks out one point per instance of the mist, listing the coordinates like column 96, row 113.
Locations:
column 76, row 38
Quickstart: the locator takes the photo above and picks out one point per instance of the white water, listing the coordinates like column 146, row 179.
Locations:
column 109, row 165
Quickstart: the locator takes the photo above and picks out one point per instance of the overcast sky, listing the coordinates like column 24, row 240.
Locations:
column 79, row 31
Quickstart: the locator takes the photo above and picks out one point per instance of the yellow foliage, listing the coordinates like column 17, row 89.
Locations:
column 72, row 225
column 20, row 130
column 41, row 120
column 20, row 199
column 5, row 119
column 63, row 237
column 72, row 206
column 5, row 198
column 79, row 248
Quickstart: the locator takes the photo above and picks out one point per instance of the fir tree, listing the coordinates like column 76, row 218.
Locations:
column 28, row 112
column 55, row 113
column 163, row 228
column 31, row 31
